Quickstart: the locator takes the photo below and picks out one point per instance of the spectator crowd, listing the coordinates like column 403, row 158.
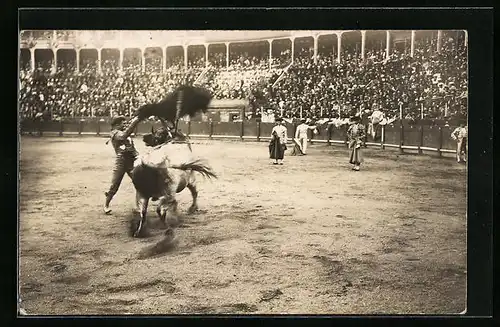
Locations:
column 322, row 89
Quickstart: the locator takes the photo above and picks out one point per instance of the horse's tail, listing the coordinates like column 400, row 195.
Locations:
column 197, row 165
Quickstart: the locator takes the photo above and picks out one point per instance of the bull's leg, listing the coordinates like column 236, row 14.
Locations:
column 143, row 207
column 194, row 193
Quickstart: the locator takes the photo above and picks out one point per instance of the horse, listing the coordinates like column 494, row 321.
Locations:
column 168, row 169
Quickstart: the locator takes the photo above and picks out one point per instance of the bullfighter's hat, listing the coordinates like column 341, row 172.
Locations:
column 355, row 118
column 117, row 120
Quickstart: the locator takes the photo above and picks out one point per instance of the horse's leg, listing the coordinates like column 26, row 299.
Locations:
column 143, row 208
column 194, row 193
column 167, row 202
column 158, row 212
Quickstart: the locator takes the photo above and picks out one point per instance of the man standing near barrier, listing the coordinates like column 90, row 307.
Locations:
column 301, row 135
column 365, row 120
column 356, row 134
column 125, row 154
column 460, row 136
column 376, row 118
column 277, row 146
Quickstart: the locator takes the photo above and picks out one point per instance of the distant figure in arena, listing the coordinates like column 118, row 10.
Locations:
column 277, row 146
column 376, row 117
column 460, row 135
column 356, row 134
column 126, row 154
column 301, row 135
column 365, row 120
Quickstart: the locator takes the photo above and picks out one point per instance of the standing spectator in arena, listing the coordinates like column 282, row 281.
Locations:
column 125, row 154
column 38, row 119
column 460, row 135
column 301, row 135
column 375, row 119
column 277, row 146
column 356, row 134
column 365, row 121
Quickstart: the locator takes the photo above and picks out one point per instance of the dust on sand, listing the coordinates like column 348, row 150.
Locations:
column 311, row 236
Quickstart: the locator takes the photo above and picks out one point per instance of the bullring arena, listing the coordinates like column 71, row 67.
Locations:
column 309, row 237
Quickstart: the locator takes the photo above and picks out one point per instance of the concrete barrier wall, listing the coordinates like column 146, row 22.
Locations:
column 431, row 137
column 250, row 130
column 425, row 137
column 226, row 129
column 71, row 127
column 200, row 128
column 392, row 135
column 411, row 136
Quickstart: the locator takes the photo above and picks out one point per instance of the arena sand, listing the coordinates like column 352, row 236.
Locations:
column 310, row 237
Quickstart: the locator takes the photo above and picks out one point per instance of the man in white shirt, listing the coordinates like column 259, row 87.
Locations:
column 460, row 135
column 376, row 118
column 301, row 135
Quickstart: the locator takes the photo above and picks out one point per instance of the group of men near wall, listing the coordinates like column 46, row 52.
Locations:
column 360, row 126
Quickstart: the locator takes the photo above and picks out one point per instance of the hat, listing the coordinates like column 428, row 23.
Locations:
column 303, row 120
column 117, row 120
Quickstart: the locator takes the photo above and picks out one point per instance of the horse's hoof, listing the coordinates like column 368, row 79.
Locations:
column 137, row 229
column 140, row 233
column 192, row 210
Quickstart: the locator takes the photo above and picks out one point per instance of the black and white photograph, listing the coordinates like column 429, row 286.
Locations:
column 243, row 172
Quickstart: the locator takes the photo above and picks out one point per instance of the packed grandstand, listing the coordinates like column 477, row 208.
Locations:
column 425, row 75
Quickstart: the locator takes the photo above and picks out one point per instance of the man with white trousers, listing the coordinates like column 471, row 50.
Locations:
column 301, row 134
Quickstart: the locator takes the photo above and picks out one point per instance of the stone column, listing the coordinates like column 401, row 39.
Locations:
column 164, row 61
column 227, row 55
column 363, row 44
column 206, row 54
column 185, row 56
column 32, row 58
column 143, row 59
column 120, row 61
column 466, row 39
column 315, row 49
column 412, row 43
column 270, row 52
column 439, row 40
column 293, row 48
column 77, row 60
column 339, row 47
column 99, row 60
column 54, row 64
column 387, row 44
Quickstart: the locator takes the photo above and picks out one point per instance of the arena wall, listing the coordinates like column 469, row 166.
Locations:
column 413, row 138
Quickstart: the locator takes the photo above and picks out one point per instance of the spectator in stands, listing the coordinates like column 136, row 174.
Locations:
column 322, row 89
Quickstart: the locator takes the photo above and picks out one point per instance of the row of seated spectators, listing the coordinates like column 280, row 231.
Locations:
column 436, row 81
column 85, row 94
column 322, row 89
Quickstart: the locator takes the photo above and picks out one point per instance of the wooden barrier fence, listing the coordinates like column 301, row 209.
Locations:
column 418, row 138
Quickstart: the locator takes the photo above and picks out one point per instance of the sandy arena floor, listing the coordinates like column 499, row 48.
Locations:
column 309, row 237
